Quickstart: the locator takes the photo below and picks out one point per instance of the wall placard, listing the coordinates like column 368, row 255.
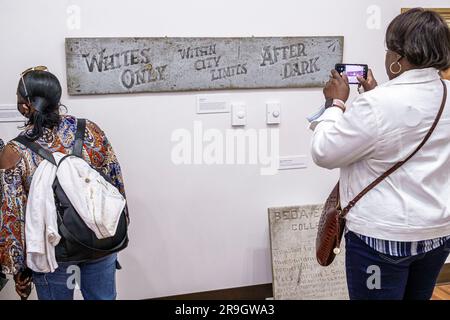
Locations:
column 128, row 65
column 296, row 273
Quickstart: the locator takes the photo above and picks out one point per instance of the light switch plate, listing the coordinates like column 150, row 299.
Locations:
column 292, row 162
column 273, row 112
column 238, row 114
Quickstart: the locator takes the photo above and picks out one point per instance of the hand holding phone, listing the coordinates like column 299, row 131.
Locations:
column 353, row 71
column 337, row 87
column 368, row 83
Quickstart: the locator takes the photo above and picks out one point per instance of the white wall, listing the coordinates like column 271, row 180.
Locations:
column 194, row 228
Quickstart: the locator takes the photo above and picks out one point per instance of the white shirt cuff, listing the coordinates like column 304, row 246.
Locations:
column 329, row 114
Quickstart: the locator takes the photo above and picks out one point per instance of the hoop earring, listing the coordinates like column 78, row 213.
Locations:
column 63, row 106
column 399, row 69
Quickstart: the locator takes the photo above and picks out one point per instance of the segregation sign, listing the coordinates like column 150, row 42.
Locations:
column 129, row 65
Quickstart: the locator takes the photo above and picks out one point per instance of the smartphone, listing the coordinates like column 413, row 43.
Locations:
column 352, row 71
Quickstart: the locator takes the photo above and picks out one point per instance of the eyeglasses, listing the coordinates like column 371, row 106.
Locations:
column 38, row 68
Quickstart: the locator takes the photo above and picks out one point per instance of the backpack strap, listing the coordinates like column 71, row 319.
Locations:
column 47, row 155
column 79, row 138
column 37, row 148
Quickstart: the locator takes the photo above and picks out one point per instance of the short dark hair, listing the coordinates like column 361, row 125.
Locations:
column 44, row 93
column 422, row 36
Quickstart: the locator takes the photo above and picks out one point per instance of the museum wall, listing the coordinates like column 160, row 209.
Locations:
column 194, row 227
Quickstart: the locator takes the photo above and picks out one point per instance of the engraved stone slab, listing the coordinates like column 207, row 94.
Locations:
column 128, row 65
column 296, row 273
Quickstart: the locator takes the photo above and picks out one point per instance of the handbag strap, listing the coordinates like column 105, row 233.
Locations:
column 352, row 203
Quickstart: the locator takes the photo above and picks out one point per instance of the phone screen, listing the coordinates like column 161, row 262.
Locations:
column 353, row 71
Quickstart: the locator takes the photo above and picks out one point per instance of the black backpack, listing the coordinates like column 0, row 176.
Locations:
column 78, row 242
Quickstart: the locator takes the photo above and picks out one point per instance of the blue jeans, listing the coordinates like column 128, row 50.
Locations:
column 97, row 280
column 375, row 276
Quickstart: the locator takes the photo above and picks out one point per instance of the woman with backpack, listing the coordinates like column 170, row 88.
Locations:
column 38, row 99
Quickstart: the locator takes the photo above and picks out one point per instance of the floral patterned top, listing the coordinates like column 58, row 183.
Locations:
column 15, row 182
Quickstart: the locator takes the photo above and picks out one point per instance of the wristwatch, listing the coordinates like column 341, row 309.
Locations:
column 335, row 103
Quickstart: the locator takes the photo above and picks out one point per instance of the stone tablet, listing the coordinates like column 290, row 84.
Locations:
column 296, row 273
column 128, row 65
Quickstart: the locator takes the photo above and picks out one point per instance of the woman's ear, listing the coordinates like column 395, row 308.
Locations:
column 25, row 110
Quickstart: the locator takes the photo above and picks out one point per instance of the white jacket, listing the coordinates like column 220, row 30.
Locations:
column 97, row 202
column 41, row 226
column 380, row 128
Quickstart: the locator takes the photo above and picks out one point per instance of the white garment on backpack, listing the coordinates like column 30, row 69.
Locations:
column 41, row 226
column 98, row 203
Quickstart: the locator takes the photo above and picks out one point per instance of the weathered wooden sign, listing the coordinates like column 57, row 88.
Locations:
column 127, row 65
column 296, row 273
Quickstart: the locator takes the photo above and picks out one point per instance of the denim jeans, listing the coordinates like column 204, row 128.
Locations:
column 375, row 276
column 97, row 280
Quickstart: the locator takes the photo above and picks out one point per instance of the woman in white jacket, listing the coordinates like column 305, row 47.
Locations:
column 398, row 234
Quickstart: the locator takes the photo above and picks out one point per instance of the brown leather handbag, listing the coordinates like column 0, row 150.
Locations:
column 332, row 222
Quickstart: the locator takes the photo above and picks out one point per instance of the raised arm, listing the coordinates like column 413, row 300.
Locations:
column 340, row 139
